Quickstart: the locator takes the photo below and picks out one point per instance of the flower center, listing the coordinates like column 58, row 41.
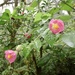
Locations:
column 55, row 26
column 9, row 56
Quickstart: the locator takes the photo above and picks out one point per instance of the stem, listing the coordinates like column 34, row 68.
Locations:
column 38, row 5
column 34, row 59
column 41, row 52
column 38, row 69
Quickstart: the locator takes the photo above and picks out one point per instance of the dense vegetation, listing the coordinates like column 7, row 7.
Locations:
column 39, row 51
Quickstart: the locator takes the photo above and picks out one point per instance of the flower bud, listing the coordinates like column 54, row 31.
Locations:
column 19, row 48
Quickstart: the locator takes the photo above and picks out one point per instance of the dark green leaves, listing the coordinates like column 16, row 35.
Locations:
column 43, row 61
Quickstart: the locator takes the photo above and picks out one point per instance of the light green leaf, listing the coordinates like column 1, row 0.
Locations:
column 45, row 32
column 64, row 6
column 69, row 39
column 5, row 16
column 26, row 50
column 54, row 10
column 35, row 3
column 18, row 17
column 38, row 17
column 65, row 17
column 8, row 11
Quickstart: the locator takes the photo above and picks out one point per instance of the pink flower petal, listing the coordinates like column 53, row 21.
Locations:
column 59, row 23
column 12, row 55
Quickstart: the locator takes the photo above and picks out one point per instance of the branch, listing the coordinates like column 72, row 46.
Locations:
column 16, row 2
column 10, row 2
column 5, row 2
column 68, row 5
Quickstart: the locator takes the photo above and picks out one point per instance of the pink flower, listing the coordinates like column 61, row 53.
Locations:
column 22, row 13
column 10, row 55
column 56, row 26
column 27, row 35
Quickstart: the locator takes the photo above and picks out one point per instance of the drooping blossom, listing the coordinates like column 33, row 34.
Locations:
column 56, row 26
column 27, row 35
column 22, row 13
column 10, row 55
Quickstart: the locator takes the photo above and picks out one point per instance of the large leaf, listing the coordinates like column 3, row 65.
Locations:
column 65, row 17
column 69, row 39
column 5, row 16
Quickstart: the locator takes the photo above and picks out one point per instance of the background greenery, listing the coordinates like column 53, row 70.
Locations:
column 43, row 53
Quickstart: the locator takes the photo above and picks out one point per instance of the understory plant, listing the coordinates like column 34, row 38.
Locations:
column 38, row 39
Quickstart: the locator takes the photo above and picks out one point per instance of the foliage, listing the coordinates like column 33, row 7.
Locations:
column 43, row 53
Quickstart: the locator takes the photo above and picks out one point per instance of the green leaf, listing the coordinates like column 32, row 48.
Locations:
column 8, row 11
column 46, row 16
column 45, row 32
column 35, row 3
column 29, row 8
column 37, row 44
column 54, row 10
column 38, row 17
column 69, row 39
column 14, row 12
column 26, row 50
column 5, row 16
column 64, row 6
column 49, row 37
column 41, row 30
column 2, row 22
column 65, row 17
column 44, row 60
column 18, row 17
